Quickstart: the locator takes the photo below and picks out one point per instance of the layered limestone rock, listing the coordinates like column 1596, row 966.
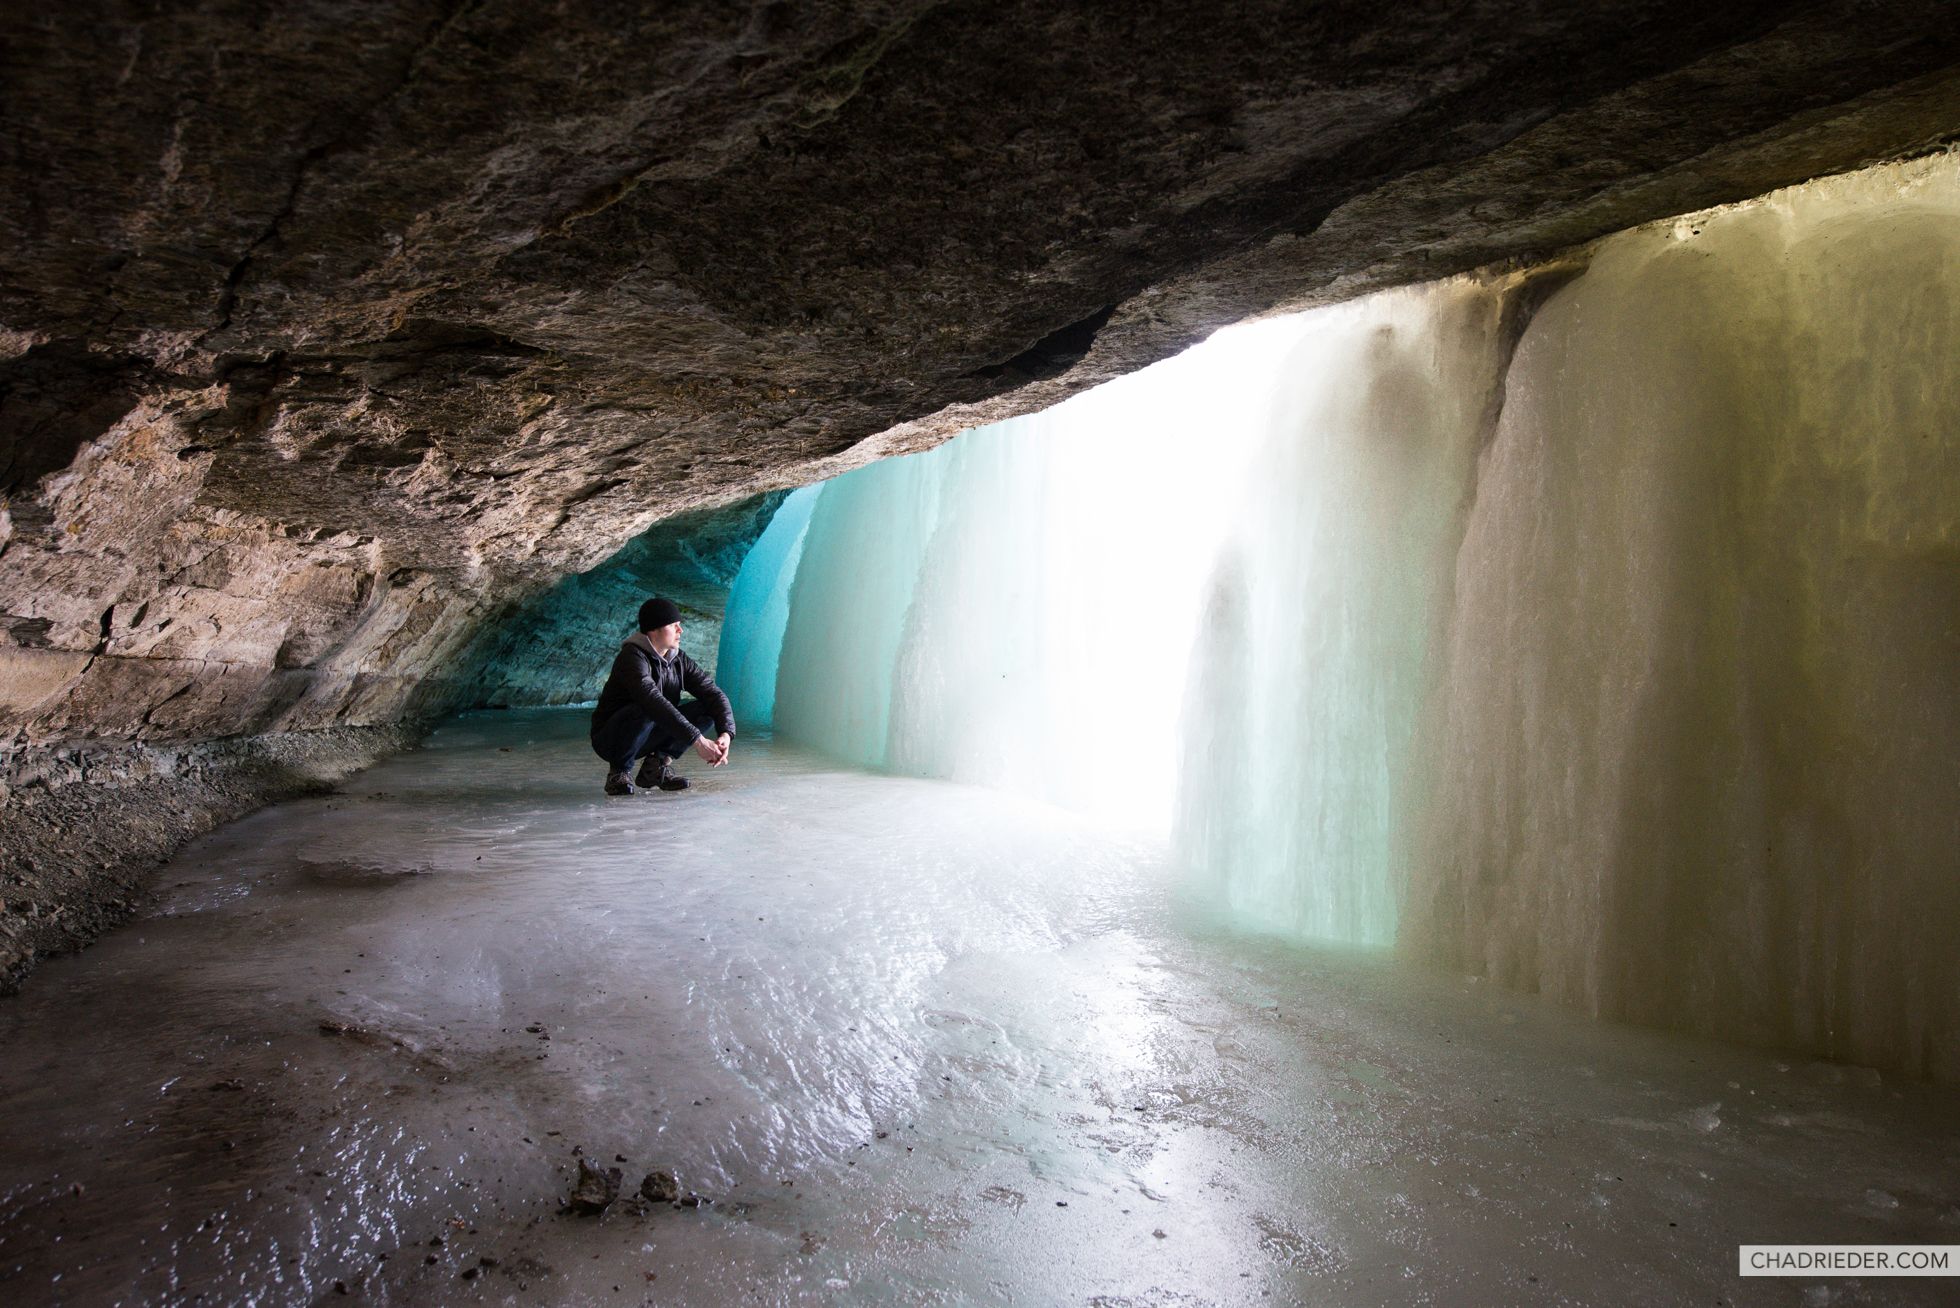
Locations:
column 330, row 337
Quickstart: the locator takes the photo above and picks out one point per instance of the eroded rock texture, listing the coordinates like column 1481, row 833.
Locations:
column 330, row 333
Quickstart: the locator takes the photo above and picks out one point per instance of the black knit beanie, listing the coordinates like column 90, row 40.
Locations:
column 658, row 612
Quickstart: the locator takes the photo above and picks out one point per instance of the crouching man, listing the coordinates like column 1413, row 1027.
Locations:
column 640, row 714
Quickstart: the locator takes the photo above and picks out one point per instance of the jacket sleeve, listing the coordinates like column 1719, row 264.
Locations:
column 702, row 686
column 637, row 670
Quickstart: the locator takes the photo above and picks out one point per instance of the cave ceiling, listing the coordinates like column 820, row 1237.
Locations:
column 309, row 305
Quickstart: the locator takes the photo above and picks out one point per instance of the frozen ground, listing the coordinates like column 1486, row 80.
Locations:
column 919, row 1043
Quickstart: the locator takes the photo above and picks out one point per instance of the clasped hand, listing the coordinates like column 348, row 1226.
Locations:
column 714, row 752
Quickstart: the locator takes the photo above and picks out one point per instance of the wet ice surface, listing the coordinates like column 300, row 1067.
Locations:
column 920, row 1043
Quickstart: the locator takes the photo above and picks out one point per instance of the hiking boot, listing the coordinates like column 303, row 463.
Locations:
column 617, row 784
column 654, row 775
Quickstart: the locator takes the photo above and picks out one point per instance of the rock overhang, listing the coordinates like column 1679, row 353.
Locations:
column 333, row 337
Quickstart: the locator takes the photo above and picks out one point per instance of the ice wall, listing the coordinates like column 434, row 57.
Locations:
column 1017, row 607
column 758, row 611
column 1325, row 607
column 1591, row 627
column 1697, row 743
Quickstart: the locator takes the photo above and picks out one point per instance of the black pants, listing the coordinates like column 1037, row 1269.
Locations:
column 631, row 733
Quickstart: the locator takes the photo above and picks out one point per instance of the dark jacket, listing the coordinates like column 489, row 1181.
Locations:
column 639, row 676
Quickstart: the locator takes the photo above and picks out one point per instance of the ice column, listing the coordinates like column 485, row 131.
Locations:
column 1698, row 737
column 758, row 611
column 1325, row 609
column 854, row 586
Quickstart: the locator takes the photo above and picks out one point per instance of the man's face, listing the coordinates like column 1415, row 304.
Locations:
column 666, row 638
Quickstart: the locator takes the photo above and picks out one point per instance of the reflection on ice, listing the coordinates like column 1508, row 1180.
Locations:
column 920, row 1043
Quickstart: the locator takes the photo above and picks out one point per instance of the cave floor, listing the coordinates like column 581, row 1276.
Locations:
column 918, row 1043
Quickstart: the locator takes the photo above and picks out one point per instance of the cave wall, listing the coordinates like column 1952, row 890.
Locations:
column 83, row 824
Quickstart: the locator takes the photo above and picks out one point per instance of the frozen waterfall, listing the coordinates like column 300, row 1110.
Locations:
column 1591, row 627
column 758, row 609
column 1017, row 607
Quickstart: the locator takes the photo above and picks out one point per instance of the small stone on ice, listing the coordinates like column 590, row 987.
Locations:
column 595, row 1190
